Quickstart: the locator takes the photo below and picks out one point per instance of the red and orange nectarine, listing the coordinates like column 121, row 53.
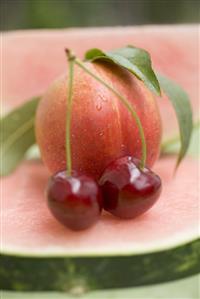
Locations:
column 102, row 129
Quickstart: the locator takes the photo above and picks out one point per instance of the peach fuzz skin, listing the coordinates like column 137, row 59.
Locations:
column 102, row 129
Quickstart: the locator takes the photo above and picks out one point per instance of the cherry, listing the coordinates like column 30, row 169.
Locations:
column 75, row 201
column 127, row 190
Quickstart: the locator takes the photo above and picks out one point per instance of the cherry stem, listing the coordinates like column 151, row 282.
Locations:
column 126, row 104
column 71, row 60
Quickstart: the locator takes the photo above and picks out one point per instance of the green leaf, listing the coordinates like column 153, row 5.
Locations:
column 181, row 104
column 135, row 60
column 17, row 135
column 172, row 145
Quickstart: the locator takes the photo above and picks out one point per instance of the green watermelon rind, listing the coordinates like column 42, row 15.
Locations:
column 50, row 273
column 184, row 288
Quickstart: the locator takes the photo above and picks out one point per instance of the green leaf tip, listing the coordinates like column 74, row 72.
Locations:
column 183, row 110
column 136, row 60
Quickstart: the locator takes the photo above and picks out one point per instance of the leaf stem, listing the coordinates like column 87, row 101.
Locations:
column 126, row 104
column 71, row 60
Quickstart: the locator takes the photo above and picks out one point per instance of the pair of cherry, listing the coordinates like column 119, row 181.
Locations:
column 124, row 190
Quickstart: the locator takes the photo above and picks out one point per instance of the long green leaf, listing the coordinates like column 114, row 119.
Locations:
column 135, row 60
column 17, row 135
column 181, row 104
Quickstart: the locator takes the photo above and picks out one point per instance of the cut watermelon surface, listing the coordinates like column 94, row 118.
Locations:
column 38, row 253
column 29, row 227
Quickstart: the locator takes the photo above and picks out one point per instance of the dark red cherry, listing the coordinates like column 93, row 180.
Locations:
column 127, row 190
column 75, row 201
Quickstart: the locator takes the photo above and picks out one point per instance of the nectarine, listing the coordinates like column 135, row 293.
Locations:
column 102, row 129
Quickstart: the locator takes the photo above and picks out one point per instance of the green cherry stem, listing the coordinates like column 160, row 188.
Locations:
column 126, row 104
column 71, row 60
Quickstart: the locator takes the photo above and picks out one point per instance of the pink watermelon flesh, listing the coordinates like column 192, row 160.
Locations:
column 28, row 226
column 32, row 59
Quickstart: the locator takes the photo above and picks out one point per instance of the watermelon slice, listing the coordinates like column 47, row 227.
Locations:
column 158, row 246
column 162, row 245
